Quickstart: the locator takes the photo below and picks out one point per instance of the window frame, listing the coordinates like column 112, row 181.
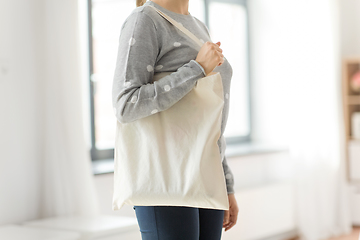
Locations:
column 97, row 154
column 245, row 138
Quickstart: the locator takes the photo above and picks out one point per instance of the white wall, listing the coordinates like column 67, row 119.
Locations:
column 20, row 38
column 350, row 27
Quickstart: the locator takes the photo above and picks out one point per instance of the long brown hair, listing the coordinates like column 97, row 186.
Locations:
column 140, row 2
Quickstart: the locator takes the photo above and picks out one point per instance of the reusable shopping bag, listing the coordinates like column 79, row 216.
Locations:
column 171, row 158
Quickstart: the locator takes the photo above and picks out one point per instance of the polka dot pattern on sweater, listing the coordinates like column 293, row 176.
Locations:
column 127, row 84
column 167, row 88
column 158, row 67
column 133, row 99
column 149, row 68
column 132, row 41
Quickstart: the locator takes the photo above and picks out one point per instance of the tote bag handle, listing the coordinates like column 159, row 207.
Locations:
column 179, row 26
column 182, row 28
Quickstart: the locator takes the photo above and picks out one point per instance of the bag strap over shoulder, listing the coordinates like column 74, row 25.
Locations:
column 179, row 26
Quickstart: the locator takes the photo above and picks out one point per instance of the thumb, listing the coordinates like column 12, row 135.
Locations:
column 218, row 43
column 226, row 216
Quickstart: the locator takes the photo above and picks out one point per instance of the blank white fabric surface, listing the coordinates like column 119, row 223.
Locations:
column 172, row 157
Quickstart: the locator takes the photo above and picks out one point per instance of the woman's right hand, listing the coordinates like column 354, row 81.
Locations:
column 210, row 56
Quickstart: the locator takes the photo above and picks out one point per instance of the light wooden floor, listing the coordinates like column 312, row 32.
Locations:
column 355, row 235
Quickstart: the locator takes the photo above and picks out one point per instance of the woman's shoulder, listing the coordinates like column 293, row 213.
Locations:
column 139, row 19
column 145, row 15
column 149, row 11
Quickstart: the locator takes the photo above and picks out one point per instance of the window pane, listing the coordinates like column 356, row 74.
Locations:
column 227, row 24
column 107, row 18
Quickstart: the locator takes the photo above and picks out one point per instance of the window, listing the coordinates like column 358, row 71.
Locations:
column 227, row 22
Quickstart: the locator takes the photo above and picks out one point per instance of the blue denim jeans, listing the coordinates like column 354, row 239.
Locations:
column 179, row 223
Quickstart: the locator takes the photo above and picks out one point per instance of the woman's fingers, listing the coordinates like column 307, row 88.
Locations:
column 218, row 47
column 232, row 221
column 229, row 225
column 221, row 59
column 226, row 218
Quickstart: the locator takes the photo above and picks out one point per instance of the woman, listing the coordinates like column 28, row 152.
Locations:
column 149, row 44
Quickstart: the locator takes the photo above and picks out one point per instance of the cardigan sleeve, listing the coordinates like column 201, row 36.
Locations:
column 134, row 94
column 229, row 177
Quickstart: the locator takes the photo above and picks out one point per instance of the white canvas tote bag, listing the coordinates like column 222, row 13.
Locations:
column 171, row 158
